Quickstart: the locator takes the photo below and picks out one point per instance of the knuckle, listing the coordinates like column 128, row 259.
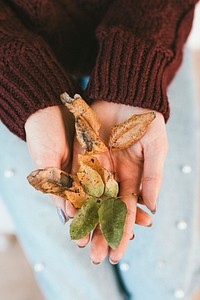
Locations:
column 128, row 235
column 131, row 214
column 45, row 160
column 154, row 178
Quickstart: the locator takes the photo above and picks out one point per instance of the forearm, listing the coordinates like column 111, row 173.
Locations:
column 31, row 78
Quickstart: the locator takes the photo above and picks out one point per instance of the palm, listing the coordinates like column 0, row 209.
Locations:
column 141, row 163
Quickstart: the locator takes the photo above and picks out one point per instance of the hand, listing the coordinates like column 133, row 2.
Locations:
column 49, row 135
column 142, row 163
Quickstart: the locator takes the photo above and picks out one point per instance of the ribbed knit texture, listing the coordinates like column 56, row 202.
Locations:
column 134, row 48
column 140, row 50
column 129, row 71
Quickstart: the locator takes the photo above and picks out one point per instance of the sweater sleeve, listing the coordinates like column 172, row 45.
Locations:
column 140, row 49
column 31, row 78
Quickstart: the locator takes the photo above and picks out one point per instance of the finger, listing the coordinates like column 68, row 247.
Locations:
column 81, row 243
column 76, row 151
column 154, row 159
column 140, row 200
column 143, row 218
column 99, row 246
column 60, row 205
column 127, row 187
column 70, row 210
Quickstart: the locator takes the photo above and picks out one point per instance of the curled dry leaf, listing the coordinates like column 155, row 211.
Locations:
column 87, row 124
column 57, row 182
column 111, row 185
column 80, row 108
column 87, row 137
column 131, row 131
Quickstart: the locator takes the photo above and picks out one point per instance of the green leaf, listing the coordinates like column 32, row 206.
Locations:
column 111, row 188
column 86, row 219
column 112, row 217
column 90, row 180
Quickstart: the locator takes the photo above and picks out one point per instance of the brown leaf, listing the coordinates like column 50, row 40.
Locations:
column 92, row 162
column 131, row 131
column 80, row 108
column 57, row 182
column 87, row 138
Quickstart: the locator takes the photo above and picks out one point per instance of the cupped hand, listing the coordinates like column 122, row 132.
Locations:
column 138, row 169
column 50, row 135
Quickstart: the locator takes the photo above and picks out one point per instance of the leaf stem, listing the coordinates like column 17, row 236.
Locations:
column 132, row 194
column 112, row 163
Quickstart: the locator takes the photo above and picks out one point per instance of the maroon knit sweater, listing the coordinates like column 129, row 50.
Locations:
column 130, row 48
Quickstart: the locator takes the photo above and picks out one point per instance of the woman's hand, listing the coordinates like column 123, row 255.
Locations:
column 49, row 135
column 142, row 163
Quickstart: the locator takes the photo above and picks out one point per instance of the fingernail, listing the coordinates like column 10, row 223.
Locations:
column 61, row 215
column 113, row 262
column 80, row 246
column 95, row 263
column 156, row 203
column 153, row 211
column 70, row 217
column 132, row 237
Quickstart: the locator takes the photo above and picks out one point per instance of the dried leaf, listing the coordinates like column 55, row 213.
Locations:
column 111, row 185
column 76, row 197
column 79, row 108
column 86, row 219
column 87, row 138
column 131, row 131
column 57, row 182
column 112, row 216
column 92, row 162
column 90, row 180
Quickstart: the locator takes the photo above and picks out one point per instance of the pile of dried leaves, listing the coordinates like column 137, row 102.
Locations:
column 93, row 189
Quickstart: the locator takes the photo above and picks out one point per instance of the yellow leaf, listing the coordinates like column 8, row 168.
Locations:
column 57, row 182
column 131, row 131
column 81, row 109
column 111, row 185
column 90, row 180
column 87, row 138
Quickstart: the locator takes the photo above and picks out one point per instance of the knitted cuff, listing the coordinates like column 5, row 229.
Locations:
column 130, row 71
column 30, row 79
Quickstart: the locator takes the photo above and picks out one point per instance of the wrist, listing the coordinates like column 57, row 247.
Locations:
column 116, row 113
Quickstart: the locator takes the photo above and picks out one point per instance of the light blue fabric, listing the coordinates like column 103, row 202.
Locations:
column 164, row 259
column 159, row 261
column 68, row 273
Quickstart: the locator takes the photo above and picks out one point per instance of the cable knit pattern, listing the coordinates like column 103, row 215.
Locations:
column 134, row 48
